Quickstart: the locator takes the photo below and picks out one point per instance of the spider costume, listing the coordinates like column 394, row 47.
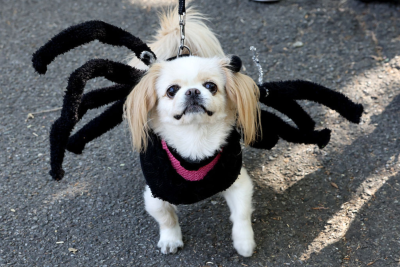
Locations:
column 163, row 168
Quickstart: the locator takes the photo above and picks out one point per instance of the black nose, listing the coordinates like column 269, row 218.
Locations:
column 192, row 92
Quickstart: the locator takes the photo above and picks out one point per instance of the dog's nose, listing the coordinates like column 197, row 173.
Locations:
column 192, row 92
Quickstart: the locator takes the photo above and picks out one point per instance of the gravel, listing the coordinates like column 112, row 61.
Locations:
column 95, row 215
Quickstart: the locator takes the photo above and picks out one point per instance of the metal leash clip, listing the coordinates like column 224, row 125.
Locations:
column 182, row 23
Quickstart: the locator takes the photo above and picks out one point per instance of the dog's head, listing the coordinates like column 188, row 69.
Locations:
column 192, row 90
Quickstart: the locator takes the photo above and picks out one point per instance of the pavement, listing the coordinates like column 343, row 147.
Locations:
column 339, row 206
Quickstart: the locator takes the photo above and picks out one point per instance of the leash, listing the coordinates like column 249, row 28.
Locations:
column 260, row 70
column 182, row 24
column 257, row 62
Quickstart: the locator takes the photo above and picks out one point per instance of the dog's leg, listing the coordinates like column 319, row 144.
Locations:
column 238, row 197
column 165, row 214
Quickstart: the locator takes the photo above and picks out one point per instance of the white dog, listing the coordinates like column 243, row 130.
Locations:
column 193, row 103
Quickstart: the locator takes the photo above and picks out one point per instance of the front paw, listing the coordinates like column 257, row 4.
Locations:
column 243, row 238
column 245, row 247
column 170, row 240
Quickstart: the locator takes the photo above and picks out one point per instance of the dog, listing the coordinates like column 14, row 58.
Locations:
column 193, row 104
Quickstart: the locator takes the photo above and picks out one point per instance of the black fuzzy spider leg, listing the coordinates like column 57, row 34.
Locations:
column 96, row 127
column 91, row 100
column 293, row 110
column 95, row 99
column 101, row 97
column 274, row 127
column 304, row 90
column 86, row 32
column 62, row 127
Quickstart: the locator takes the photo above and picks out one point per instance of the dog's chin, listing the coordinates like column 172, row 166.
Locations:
column 194, row 109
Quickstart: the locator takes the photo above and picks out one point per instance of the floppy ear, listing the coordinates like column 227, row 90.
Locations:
column 244, row 93
column 137, row 106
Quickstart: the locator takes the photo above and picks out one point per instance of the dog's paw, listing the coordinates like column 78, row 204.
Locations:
column 170, row 240
column 169, row 246
column 245, row 247
column 243, row 238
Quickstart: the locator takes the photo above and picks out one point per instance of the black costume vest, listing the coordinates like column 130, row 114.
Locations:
column 166, row 184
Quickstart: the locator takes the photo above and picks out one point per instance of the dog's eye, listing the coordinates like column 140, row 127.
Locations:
column 172, row 90
column 212, row 87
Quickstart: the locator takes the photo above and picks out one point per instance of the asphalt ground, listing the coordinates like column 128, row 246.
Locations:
column 334, row 207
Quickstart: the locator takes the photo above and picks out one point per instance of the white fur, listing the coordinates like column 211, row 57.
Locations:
column 164, row 213
column 195, row 135
column 238, row 197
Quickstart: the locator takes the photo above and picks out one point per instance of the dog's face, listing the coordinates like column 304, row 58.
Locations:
column 195, row 92
column 191, row 90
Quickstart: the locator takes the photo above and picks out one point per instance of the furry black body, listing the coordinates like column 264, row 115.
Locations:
column 165, row 183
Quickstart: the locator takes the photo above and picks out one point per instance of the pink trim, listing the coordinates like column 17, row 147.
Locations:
column 186, row 174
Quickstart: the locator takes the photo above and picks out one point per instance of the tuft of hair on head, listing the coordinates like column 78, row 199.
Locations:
column 137, row 106
column 198, row 36
column 244, row 93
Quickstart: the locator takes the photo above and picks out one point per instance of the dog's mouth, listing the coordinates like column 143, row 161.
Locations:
column 194, row 108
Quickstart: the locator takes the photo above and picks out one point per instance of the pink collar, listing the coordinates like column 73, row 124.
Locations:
column 186, row 174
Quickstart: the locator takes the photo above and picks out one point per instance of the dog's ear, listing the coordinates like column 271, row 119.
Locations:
column 138, row 104
column 244, row 93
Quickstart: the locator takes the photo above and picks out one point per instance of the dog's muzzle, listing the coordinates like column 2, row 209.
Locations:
column 194, row 104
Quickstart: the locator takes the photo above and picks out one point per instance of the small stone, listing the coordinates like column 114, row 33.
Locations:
column 298, row 44
column 73, row 250
column 334, row 185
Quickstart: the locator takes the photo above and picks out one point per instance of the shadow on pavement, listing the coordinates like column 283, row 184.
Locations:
column 335, row 223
